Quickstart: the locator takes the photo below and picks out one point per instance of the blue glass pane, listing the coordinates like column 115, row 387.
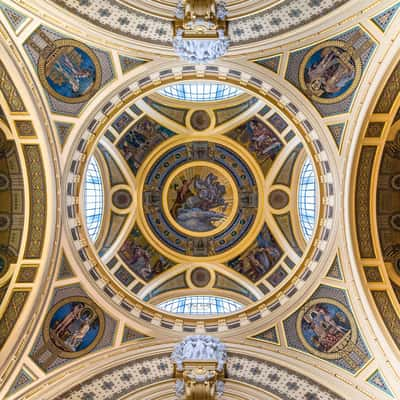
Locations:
column 94, row 200
column 307, row 199
column 200, row 305
column 200, row 91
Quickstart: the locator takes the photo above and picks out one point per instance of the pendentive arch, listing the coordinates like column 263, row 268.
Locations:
column 40, row 241
column 371, row 131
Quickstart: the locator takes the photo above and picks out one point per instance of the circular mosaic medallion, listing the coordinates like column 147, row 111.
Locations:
column 200, row 120
column 326, row 328
column 395, row 222
column 5, row 222
column 200, row 277
column 69, row 70
column 122, row 199
column 278, row 199
column 200, row 199
column 4, row 182
column 395, row 182
column 73, row 327
column 330, row 72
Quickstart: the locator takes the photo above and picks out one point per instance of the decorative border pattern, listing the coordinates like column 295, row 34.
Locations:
column 117, row 382
column 118, row 18
column 362, row 206
column 38, row 205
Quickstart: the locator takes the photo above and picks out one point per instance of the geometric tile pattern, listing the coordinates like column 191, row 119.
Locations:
column 384, row 19
column 14, row 18
column 335, row 271
column 337, row 133
column 130, row 335
column 63, row 130
column 128, row 63
column 377, row 380
column 270, row 335
column 65, row 270
column 271, row 63
column 114, row 16
column 22, row 379
column 117, row 382
column 282, row 382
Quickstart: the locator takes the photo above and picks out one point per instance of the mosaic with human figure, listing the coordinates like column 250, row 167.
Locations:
column 200, row 199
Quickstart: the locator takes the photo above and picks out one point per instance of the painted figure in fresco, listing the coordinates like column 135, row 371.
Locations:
column 259, row 138
column 330, row 72
column 74, row 326
column 140, row 140
column 63, row 325
column 263, row 141
column 71, row 72
column 139, row 260
column 324, row 326
column 259, row 259
column 195, row 203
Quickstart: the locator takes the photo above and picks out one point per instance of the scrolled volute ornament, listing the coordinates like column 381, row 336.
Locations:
column 199, row 363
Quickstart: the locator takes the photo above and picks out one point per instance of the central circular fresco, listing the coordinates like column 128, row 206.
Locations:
column 200, row 198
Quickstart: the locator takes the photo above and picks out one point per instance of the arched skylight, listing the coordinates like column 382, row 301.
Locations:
column 200, row 91
column 94, row 200
column 307, row 199
column 200, row 305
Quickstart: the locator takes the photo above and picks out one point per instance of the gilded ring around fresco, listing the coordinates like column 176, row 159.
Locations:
column 200, row 198
column 326, row 328
column 69, row 70
column 73, row 327
column 330, row 72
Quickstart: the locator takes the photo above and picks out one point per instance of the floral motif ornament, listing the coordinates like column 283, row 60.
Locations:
column 200, row 30
column 199, row 365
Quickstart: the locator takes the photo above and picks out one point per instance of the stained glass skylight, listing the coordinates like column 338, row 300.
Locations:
column 94, row 199
column 307, row 199
column 201, row 91
column 200, row 305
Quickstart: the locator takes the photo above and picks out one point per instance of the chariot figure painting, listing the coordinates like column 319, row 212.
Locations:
column 199, row 203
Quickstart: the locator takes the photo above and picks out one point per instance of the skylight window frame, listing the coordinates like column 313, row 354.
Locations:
column 200, row 91
column 93, row 201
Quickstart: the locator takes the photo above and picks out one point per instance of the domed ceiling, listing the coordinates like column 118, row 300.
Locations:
column 254, row 199
column 251, row 22
column 209, row 190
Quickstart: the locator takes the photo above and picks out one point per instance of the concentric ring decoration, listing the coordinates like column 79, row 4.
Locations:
column 200, row 198
column 306, row 128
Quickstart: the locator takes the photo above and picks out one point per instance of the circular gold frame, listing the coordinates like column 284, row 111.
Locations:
column 179, row 170
column 251, row 163
column 46, row 327
column 357, row 66
column 96, row 84
column 342, row 307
